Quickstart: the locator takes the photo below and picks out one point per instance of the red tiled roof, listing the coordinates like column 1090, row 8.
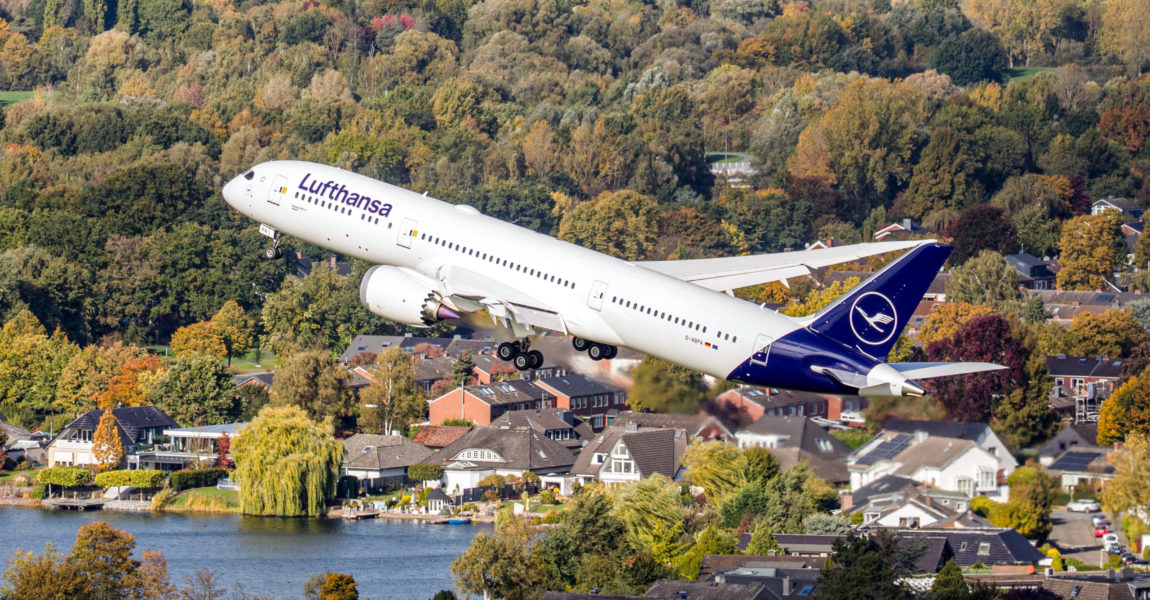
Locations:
column 438, row 436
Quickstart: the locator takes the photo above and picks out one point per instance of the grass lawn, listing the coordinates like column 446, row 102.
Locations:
column 205, row 500
column 8, row 98
column 4, row 477
column 1024, row 72
column 247, row 364
column 723, row 157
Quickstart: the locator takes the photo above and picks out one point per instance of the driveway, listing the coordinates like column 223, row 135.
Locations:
column 1074, row 536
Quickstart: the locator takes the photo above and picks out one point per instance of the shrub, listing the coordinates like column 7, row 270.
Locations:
column 163, row 497
column 405, row 500
column 140, row 478
column 39, row 492
column 495, row 481
column 424, row 472
column 547, row 497
column 183, row 480
column 65, row 476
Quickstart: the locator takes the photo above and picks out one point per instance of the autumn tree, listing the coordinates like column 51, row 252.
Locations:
column 393, row 400
column 199, row 338
column 1126, row 412
column 623, row 224
column 313, row 381
column 107, row 449
column 947, row 318
column 287, row 464
column 31, row 363
column 331, row 586
column 90, row 372
column 223, row 447
column 981, row 227
column 1091, row 246
column 1124, row 32
column 1113, row 333
column 133, row 383
column 1130, row 487
column 986, row 280
column 236, row 329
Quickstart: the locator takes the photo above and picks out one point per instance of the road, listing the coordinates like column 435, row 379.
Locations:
column 1074, row 535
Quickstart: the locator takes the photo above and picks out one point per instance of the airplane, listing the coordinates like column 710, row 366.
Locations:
column 436, row 262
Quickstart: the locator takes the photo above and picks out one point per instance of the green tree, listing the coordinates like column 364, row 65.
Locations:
column 762, row 542
column 981, row 227
column 315, row 382
column 823, row 524
column 662, row 386
column 945, row 176
column 988, row 280
column 589, row 528
column 623, row 224
column 759, row 465
column 321, row 310
column 462, row 370
column 287, row 465
column 650, row 508
column 973, row 56
column 1032, row 492
column 1090, row 251
column 393, row 401
column 949, row 585
column 56, row 290
column 499, row 566
column 236, row 328
column 710, row 540
column 197, row 390
column 30, row 366
column 713, row 466
column 865, row 567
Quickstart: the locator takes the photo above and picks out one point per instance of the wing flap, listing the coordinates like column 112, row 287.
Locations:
column 728, row 273
column 929, row 370
column 501, row 301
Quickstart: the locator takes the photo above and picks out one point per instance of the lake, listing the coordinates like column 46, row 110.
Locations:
column 389, row 559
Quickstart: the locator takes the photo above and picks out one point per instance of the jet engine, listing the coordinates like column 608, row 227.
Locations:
column 404, row 296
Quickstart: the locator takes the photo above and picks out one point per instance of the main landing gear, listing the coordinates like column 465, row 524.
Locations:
column 519, row 354
column 595, row 350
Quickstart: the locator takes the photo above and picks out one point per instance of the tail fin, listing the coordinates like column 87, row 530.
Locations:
column 870, row 316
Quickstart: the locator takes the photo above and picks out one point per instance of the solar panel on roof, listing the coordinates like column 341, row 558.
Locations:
column 887, row 450
column 1075, row 461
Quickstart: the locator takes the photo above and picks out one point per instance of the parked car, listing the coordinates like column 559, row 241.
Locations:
column 1084, row 505
column 1097, row 520
column 1130, row 558
column 1110, row 539
column 1114, row 549
column 1100, row 531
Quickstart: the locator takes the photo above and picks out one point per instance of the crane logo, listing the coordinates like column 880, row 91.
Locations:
column 873, row 318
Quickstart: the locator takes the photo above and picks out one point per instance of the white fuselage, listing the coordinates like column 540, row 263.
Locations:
column 639, row 308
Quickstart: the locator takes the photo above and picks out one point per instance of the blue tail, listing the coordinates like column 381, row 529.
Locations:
column 870, row 316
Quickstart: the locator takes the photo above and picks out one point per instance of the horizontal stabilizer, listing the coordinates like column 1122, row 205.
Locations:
column 928, row 370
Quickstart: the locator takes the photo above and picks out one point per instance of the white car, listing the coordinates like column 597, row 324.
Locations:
column 1110, row 539
column 1085, row 505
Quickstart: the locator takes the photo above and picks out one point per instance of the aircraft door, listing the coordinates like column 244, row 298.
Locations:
column 407, row 232
column 277, row 190
column 595, row 299
column 762, row 349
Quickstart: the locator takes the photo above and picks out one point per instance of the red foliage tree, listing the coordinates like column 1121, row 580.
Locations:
column 969, row 398
column 223, row 446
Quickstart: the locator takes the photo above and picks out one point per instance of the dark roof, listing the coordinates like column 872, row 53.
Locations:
column 1101, row 299
column 991, row 546
column 777, row 398
column 506, row 392
column 654, row 450
column 585, row 596
column 555, row 420
column 692, row 424
column 713, row 564
column 886, row 484
column 369, row 343
column 130, row 419
column 1079, row 461
column 475, row 347
column 931, row 556
column 1029, row 267
column 826, row 467
column 891, row 446
column 437, row 494
column 522, row 449
column 576, row 386
column 370, row 451
column 430, row 369
column 1084, row 366
column 949, row 429
column 1097, row 587
column 264, row 379
column 438, row 436
column 1123, row 204
column 1072, row 435
column 15, row 432
column 804, row 542
column 669, row 589
column 801, row 432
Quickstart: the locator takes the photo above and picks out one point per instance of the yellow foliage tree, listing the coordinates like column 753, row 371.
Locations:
column 204, row 337
column 820, row 298
column 106, row 446
column 947, row 318
column 1126, row 412
column 1130, row 487
column 1112, row 333
column 1125, row 31
column 1090, row 247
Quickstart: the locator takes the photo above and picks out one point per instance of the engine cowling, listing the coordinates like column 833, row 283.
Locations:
column 403, row 296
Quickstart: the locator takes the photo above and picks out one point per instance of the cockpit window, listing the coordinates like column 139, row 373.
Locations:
column 249, row 175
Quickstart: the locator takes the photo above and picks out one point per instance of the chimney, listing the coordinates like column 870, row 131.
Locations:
column 787, row 587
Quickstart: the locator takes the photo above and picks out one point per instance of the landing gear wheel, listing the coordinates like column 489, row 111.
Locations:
column 579, row 344
column 536, row 359
column 507, row 350
column 597, row 352
column 273, row 252
column 611, row 352
column 522, row 361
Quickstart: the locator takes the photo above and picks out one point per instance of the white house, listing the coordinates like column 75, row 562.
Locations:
column 381, row 460
column 503, row 451
column 979, row 433
column 630, row 453
column 949, row 464
column 136, row 426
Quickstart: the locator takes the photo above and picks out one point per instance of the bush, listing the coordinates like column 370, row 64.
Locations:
column 65, row 476
column 197, row 478
column 424, row 472
column 547, row 497
column 140, row 478
column 405, row 500
column 163, row 497
column 39, row 492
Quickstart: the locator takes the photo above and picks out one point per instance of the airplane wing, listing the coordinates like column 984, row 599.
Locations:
column 471, row 291
column 723, row 274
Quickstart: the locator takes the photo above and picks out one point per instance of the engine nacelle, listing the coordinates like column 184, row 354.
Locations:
column 403, row 296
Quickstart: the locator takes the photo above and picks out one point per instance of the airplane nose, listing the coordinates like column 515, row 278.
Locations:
column 233, row 191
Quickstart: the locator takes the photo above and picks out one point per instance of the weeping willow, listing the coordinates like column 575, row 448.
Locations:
column 287, row 465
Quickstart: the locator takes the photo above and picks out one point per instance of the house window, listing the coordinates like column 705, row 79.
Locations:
column 965, row 486
column 984, row 548
column 824, row 445
column 911, row 522
column 986, row 480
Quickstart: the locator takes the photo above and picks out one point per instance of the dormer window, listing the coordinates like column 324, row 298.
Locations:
column 482, row 454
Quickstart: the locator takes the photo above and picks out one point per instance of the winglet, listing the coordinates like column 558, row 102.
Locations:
column 870, row 316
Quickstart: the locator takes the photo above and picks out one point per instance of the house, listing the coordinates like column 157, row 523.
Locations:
column 1073, row 435
column 1002, row 549
column 24, row 445
column 887, row 484
column 381, row 461
column 586, row 397
column 439, row 436
column 630, row 453
column 781, row 579
column 1082, row 465
column 1123, row 206
column 136, row 426
column 266, row 380
column 916, row 507
column 1081, row 384
column 701, row 425
column 795, row 439
column 827, row 243
column 979, row 433
column 1033, row 273
column 437, row 501
column 187, row 447
column 903, row 229
column 805, row 544
column 482, row 404
column 429, row 371
column 746, row 404
column 500, row 451
column 1125, row 584
column 947, row 463
column 558, row 424
column 713, row 565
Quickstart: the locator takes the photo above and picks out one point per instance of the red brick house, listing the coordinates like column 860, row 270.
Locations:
column 485, row 403
column 589, row 399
